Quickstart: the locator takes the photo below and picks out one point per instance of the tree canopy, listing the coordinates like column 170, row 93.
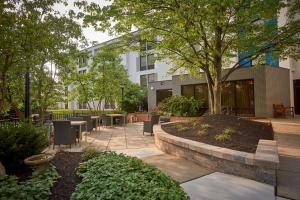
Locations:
column 33, row 35
column 202, row 36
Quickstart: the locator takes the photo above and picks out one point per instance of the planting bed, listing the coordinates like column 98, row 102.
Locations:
column 66, row 164
column 244, row 135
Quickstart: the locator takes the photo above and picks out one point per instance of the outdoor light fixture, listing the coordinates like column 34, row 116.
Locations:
column 151, row 88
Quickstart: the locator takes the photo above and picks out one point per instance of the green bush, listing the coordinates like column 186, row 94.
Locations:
column 19, row 142
column 114, row 176
column 37, row 187
column 134, row 95
column 183, row 106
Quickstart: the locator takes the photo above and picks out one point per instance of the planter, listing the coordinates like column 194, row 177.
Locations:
column 138, row 117
column 39, row 162
column 260, row 166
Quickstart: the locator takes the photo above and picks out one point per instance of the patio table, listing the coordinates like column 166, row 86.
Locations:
column 97, row 118
column 79, row 124
column 115, row 115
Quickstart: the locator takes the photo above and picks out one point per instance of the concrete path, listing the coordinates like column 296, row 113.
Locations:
column 287, row 134
column 177, row 168
column 218, row 186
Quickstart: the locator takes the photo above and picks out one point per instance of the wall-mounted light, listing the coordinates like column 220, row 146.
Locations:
column 151, row 88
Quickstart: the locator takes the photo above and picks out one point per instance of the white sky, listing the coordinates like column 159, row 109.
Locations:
column 89, row 32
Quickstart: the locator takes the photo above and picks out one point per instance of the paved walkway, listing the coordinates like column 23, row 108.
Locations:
column 287, row 134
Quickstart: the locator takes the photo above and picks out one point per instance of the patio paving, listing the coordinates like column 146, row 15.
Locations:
column 227, row 187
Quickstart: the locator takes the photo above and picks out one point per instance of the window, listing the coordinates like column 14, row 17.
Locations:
column 82, row 71
column 150, row 61
column 162, row 95
column 147, row 78
column 146, row 61
column 82, row 62
column 143, row 63
column 238, row 96
column 143, row 81
column 199, row 91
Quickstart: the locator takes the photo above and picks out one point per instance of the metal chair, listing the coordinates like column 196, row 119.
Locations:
column 148, row 125
column 63, row 133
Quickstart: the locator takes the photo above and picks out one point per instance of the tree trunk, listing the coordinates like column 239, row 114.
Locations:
column 217, row 98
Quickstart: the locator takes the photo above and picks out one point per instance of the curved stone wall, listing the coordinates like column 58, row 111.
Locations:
column 260, row 166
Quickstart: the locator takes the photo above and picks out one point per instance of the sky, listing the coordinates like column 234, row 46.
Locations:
column 89, row 32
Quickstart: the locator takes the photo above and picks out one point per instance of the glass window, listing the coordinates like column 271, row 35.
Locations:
column 162, row 94
column 150, row 61
column 228, row 94
column 187, row 90
column 245, row 96
column 143, row 80
column 201, row 92
column 143, row 63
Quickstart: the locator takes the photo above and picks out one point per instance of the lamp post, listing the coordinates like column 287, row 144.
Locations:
column 122, row 89
column 27, row 95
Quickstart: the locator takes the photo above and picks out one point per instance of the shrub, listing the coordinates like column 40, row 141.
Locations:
column 182, row 106
column 134, row 96
column 19, row 142
column 114, row 176
column 37, row 187
column 205, row 126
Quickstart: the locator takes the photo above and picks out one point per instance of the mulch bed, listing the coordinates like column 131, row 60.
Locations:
column 66, row 164
column 245, row 138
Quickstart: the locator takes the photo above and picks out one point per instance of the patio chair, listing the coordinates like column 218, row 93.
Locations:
column 280, row 111
column 63, row 133
column 148, row 125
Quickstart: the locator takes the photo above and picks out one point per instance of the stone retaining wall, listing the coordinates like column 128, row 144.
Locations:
column 260, row 166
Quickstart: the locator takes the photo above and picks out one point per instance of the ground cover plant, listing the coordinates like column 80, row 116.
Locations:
column 112, row 176
column 222, row 130
column 36, row 187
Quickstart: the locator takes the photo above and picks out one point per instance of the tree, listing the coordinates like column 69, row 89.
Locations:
column 33, row 35
column 201, row 36
column 135, row 96
column 102, row 81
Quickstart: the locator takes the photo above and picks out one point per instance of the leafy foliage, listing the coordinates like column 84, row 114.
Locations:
column 102, row 82
column 114, row 176
column 134, row 96
column 19, row 142
column 33, row 36
column 200, row 36
column 182, row 106
column 37, row 187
